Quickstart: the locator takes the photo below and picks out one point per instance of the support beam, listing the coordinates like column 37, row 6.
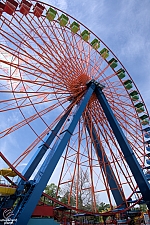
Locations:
column 108, row 171
column 135, row 168
column 28, row 204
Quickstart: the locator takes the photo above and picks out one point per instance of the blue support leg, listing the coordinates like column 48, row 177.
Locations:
column 108, row 171
column 26, row 207
column 135, row 168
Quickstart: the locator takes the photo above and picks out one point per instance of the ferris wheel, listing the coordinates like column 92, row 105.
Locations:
column 49, row 63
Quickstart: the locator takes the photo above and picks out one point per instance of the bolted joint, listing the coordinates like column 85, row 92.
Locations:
column 96, row 83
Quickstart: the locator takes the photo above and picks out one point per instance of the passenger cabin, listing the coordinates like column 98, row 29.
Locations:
column 38, row 10
column 2, row 6
column 6, row 189
column 74, row 27
column 25, row 7
column 51, row 14
column 10, row 6
column 113, row 63
column 95, row 44
column 85, row 35
column 121, row 73
column 63, row 20
column 128, row 84
column 104, row 53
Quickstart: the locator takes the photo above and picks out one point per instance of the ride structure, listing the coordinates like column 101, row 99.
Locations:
column 95, row 122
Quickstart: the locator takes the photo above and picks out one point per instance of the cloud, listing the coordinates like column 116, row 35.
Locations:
column 61, row 4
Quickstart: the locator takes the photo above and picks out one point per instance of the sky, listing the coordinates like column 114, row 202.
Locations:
column 124, row 26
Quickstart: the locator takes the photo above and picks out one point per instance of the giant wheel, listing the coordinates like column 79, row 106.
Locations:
column 46, row 60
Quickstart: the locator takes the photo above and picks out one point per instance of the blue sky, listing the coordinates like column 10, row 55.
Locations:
column 125, row 29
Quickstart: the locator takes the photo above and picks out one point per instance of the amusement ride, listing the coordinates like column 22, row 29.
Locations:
column 71, row 110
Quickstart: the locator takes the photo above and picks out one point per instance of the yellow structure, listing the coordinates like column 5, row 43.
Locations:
column 7, row 172
column 6, row 190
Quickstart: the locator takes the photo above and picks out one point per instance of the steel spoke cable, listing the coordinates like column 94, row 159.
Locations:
column 58, row 42
column 66, row 45
column 25, row 51
column 129, row 124
column 40, row 138
column 112, row 153
column 103, row 170
column 110, row 138
column 113, row 139
column 89, row 150
column 64, row 100
column 31, row 64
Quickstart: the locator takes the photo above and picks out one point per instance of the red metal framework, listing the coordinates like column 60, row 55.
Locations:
column 45, row 66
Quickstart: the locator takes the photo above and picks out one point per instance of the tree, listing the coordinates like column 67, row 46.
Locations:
column 103, row 207
column 51, row 190
column 143, row 208
column 64, row 199
column 79, row 194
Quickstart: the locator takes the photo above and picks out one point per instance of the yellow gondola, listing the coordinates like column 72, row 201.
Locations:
column 7, row 172
column 6, row 190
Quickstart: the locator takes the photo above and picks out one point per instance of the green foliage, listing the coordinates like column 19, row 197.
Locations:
column 65, row 199
column 53, row 191
column 103, row 207
column 143, row 208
